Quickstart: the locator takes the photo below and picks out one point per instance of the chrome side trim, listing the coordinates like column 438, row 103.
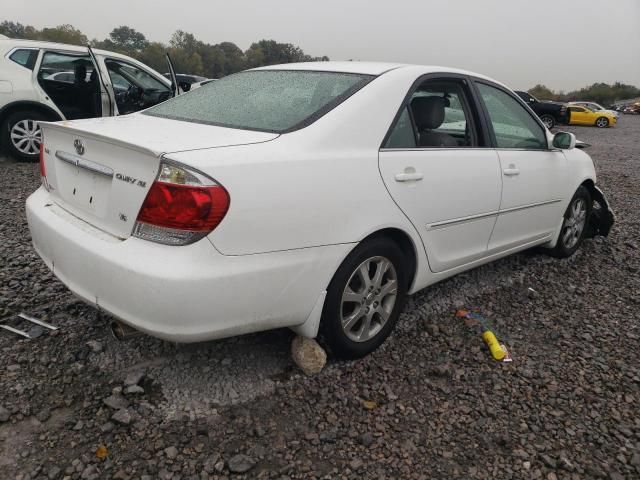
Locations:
column 85, row 164
column 532, row 205
column 436, row 149
column 431, row 149
column 471, row 218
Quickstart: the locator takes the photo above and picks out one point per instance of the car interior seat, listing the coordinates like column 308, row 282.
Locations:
column 428, row 113
column 96, row 96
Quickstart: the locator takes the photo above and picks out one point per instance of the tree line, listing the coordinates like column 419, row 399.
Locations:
column 602, row 93
column 196, row 57
column 188, row 54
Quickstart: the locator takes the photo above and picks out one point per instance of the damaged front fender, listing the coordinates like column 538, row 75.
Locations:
column 602, row 217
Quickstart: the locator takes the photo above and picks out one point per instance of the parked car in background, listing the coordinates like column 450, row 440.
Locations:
column 596, row 107
column 631, row 109
column 43, row 81
column 186, row 82
column 584, row 116
column 551, row 113
column 214, row 213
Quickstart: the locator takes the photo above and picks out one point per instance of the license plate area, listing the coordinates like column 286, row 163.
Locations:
column 84, row 186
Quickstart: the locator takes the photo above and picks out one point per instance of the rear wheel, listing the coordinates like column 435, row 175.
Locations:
column 364, row 299
column 602, row 122
column 574, row 225
column 22, row 135
column 548, row 121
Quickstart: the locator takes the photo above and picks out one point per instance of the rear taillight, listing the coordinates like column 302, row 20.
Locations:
column 181, row 207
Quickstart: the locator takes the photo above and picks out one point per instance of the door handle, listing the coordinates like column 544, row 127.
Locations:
column 409, row 177
column 511, row 171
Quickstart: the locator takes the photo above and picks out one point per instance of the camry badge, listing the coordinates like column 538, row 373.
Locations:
column 79, row 146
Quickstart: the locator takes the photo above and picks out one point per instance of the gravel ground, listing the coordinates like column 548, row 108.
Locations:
column 78, row 404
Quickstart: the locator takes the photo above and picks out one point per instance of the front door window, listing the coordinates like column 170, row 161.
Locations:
column 513, row 125
column 134, row 88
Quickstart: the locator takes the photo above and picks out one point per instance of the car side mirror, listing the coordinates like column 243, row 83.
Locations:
column 564, row 140
column 185, row 86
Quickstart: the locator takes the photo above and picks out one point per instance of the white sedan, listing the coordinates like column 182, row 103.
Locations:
column 312, row 196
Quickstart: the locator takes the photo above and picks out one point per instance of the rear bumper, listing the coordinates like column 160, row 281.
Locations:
column 183, row 294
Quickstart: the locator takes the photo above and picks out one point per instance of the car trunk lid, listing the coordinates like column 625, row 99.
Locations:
column 100, row 170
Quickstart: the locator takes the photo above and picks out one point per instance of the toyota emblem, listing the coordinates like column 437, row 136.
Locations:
column 79, row 146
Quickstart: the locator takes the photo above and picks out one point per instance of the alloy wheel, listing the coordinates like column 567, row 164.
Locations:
column 574, row 224
column 602, row 122
column 26, row 136
column 368, row 298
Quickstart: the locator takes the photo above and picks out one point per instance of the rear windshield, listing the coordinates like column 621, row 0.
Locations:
column 265, row 100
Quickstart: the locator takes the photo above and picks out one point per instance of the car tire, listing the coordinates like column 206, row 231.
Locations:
column 602, row 122
column 575, row 224
column 548, row 121
column 360, row 313
column 22, row 135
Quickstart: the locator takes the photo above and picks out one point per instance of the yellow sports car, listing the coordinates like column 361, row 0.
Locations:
column 584, row 116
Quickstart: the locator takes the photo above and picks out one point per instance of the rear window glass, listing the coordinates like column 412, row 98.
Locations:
column 265, row 100
column 25, row 57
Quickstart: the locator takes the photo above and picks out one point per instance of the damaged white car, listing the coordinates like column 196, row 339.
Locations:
column 311, row 196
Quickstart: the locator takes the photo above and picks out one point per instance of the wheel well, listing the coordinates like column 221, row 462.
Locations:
column 589, row 185
column 406, row 245
column 28, row 106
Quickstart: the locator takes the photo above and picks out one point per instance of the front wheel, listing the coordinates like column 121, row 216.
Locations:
column 364, row 299
column 574, row 225
column 602, row 122
column 22, row 135
column 548, row 121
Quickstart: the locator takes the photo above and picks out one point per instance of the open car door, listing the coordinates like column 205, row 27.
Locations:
column 175, row 88
column 109, row 107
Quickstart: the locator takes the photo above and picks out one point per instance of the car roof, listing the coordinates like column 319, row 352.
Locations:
column 10, row 43
column 366, row 68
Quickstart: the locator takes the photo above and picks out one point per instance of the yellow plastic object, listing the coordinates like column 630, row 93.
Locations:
column 369, row 404
column 102, row 452
column 492, row 342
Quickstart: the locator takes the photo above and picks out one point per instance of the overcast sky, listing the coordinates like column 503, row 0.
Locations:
column 563, row 44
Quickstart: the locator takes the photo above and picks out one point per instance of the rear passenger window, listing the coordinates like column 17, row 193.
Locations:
column 512, row 124
column 25, row 57
column 437, row 116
